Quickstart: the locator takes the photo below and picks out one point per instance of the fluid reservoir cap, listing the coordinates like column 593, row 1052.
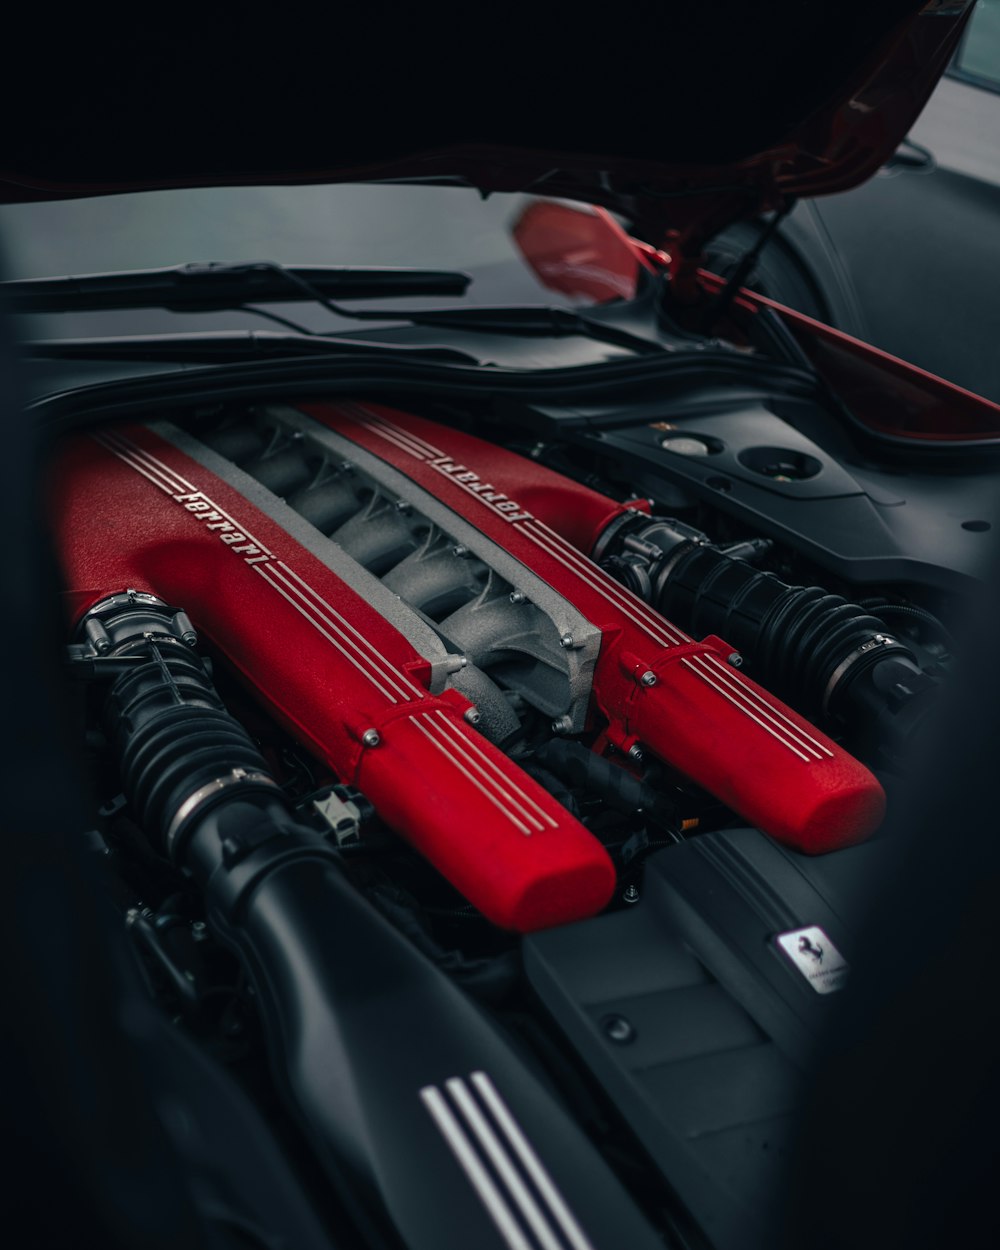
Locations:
column 685, row 445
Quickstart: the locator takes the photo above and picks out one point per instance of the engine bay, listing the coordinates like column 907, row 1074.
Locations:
column 592, row 716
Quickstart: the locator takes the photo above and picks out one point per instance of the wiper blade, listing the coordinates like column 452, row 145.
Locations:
column 229, row 346
column 217, row 286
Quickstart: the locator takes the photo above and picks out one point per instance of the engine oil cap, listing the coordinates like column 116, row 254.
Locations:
column 811, row 952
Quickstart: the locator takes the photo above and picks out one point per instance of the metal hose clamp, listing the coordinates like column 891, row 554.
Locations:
column 201, row 796
column 883, row 641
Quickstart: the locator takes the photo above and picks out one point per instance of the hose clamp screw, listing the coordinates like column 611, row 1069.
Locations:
column 648, row 678
column 371, row 738
column 518, row 596
column 460, row 551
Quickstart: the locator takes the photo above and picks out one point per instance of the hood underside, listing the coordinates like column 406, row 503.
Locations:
column 683, row 118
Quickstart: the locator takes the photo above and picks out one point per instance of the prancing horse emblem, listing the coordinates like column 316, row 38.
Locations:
column 809, row 948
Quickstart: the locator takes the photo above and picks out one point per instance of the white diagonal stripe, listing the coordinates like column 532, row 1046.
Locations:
column 775, row 711
column 457, row 759
column 469, row 1161
column 375, row 418
column 366, row 649
column 523, row 1198
column 165, row 470
column 659, row 635
column 134, row 464
column 396, row 442
column 653, row 620
column 708, row 678
column 531, row 1162
column 299, row 606
column 474, row 748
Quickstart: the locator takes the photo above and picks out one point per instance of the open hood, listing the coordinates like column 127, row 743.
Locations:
column 683, row 118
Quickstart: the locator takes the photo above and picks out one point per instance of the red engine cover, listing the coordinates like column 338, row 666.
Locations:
column 131, row 511
column 653, row 684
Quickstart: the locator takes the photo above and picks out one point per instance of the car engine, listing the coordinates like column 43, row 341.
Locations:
column 516, row 726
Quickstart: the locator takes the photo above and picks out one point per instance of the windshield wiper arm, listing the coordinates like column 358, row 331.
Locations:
column 217, row 286
column 222, row 285
column 232, row 346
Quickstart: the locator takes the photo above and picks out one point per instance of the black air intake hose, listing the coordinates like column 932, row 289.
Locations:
column 202, row 791
column 823, row 655
column 367, row 1038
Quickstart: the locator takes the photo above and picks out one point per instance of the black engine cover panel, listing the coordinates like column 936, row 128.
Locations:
column 695, row 1021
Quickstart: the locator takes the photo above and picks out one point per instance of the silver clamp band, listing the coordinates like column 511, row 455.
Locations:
column 123, row 598
column 877, row 640
column 237, row 777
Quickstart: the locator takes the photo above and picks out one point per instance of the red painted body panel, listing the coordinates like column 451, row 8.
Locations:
column 578, row 251
column 890, row 395
column 130, row 510
column 716, row 726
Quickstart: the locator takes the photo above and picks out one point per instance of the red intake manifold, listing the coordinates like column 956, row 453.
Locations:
column 133, row 511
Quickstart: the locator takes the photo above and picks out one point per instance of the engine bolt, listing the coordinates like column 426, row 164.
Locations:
column 567, row 641
column 630, row 894
column 460, row 551
column 473, row 715
column 98, row 636
column 735, row 659
column 402, row 505
column 648, row 678
column 636, row 754
column 371, row 738
column 518, row 596
column 346, row 466
column 563, row 725
column 618, row 1029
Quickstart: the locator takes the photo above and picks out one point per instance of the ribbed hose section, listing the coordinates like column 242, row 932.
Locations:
column 172, row 734
column 795, row 637
column 807, row 636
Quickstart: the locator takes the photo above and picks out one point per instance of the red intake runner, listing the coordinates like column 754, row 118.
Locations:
column 693, row 710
